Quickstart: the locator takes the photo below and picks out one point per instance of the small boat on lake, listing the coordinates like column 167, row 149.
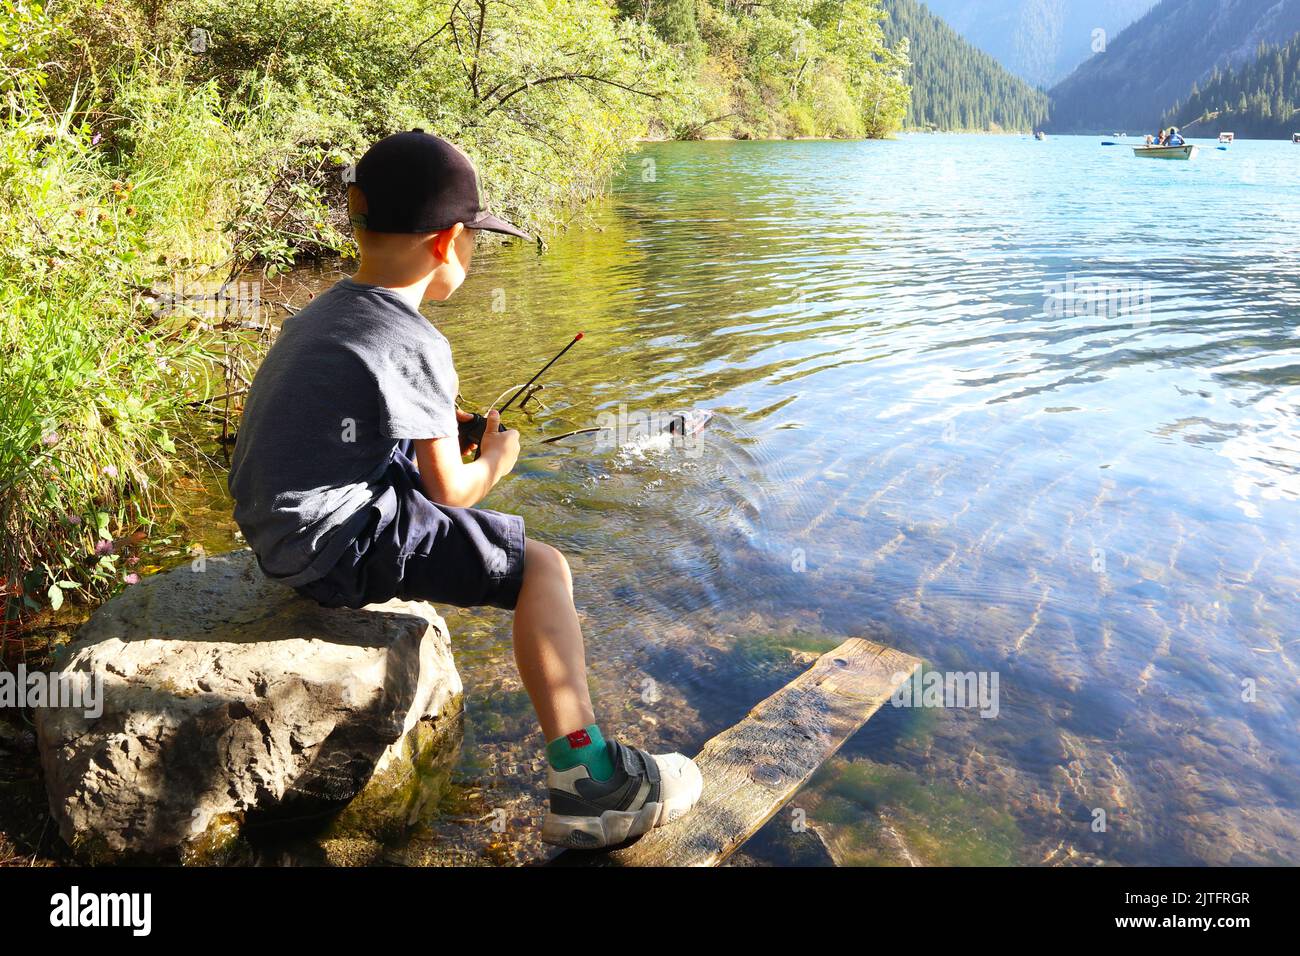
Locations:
column 1186, row 151
column 1295, row 137
column 1039, row 134
column 1225, row 138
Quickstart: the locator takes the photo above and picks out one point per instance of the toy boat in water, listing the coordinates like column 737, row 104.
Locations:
column 689, row 423
column 1186, row 151
column 678, row 426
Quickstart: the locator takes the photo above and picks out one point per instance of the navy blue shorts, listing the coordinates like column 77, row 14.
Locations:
column 416, row 550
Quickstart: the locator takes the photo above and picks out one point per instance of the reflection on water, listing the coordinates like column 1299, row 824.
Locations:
column 923, row 439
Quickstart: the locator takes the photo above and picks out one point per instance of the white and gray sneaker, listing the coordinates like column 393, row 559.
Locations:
column 645, row 791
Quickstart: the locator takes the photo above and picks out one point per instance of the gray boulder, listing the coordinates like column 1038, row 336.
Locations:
column 228, row 701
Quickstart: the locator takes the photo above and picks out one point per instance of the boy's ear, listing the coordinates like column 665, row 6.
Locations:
column 357, row 208
column 441, row 242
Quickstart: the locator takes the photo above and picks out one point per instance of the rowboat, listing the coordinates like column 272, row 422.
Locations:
column 1186, row 151
column 1226, row 138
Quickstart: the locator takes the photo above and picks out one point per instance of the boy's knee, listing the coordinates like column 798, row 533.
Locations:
column 545, row 560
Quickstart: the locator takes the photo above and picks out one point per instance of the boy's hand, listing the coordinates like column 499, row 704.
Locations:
column 466, row 446
column 449, row 480
column 500, row 448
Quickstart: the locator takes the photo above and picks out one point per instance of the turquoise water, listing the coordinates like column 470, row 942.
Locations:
column 923, row 439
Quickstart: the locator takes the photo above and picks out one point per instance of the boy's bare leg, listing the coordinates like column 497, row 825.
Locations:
column 600, row 792
column 548, row 643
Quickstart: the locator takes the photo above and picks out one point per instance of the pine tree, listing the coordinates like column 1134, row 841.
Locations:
column 1257, row 99
column 954, row 84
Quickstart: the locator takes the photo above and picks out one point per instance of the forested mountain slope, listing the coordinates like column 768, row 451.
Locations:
column 1258, row 99
column 954, row 85
column 1153, row 64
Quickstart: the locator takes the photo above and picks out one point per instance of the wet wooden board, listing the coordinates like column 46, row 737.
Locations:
column 754, row 767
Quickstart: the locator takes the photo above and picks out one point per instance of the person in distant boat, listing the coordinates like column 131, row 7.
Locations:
column 1150, row 140
column 1175, row 138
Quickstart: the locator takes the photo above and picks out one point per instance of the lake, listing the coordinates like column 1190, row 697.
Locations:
column 1023, row 409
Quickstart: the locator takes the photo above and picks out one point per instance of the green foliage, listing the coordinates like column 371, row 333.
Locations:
column 1257, row 100
column 673, row 20
column 954, row 85
column 89, row 375
column 547, row 96
column 796, row 68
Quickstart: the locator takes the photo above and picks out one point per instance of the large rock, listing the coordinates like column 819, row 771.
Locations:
column 229, row 700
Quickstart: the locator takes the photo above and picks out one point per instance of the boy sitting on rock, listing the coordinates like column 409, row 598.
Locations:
column 350, row 483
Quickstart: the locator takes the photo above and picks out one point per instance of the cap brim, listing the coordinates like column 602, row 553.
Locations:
column 496, row 224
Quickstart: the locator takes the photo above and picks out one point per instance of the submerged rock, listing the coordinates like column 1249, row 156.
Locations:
column 228, row 700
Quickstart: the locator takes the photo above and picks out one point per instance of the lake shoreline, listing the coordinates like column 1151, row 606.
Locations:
column 1045, row 478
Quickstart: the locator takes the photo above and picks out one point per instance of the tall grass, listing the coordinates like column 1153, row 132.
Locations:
column 102, row 204
column 88, row 389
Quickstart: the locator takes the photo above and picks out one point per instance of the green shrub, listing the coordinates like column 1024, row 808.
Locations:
column 93, row 375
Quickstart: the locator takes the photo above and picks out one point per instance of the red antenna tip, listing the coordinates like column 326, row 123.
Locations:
column 578, row 336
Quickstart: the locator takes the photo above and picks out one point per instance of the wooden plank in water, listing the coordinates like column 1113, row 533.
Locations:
column 754, row 767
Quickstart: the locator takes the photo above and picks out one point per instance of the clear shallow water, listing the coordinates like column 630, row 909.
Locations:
column 1100, row 508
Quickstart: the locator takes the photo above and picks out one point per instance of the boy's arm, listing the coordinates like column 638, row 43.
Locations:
column 448, row 480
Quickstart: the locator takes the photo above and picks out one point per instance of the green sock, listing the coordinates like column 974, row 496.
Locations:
column 586, row 747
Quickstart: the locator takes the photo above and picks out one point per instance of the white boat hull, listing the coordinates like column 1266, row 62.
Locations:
column 1186, row 151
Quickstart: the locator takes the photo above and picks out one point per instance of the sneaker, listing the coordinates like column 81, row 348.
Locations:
column 644, row 792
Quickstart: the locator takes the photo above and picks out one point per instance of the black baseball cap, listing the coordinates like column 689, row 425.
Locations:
column 416, row 182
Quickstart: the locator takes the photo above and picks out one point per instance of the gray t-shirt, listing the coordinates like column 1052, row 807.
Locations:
column 352, row 373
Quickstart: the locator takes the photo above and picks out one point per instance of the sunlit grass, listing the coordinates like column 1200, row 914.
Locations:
column 95, row 376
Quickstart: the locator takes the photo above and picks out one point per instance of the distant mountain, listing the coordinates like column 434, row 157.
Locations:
column 1153, row 64
column 954, row 85
column 1259, row 100
column 1038, row 40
